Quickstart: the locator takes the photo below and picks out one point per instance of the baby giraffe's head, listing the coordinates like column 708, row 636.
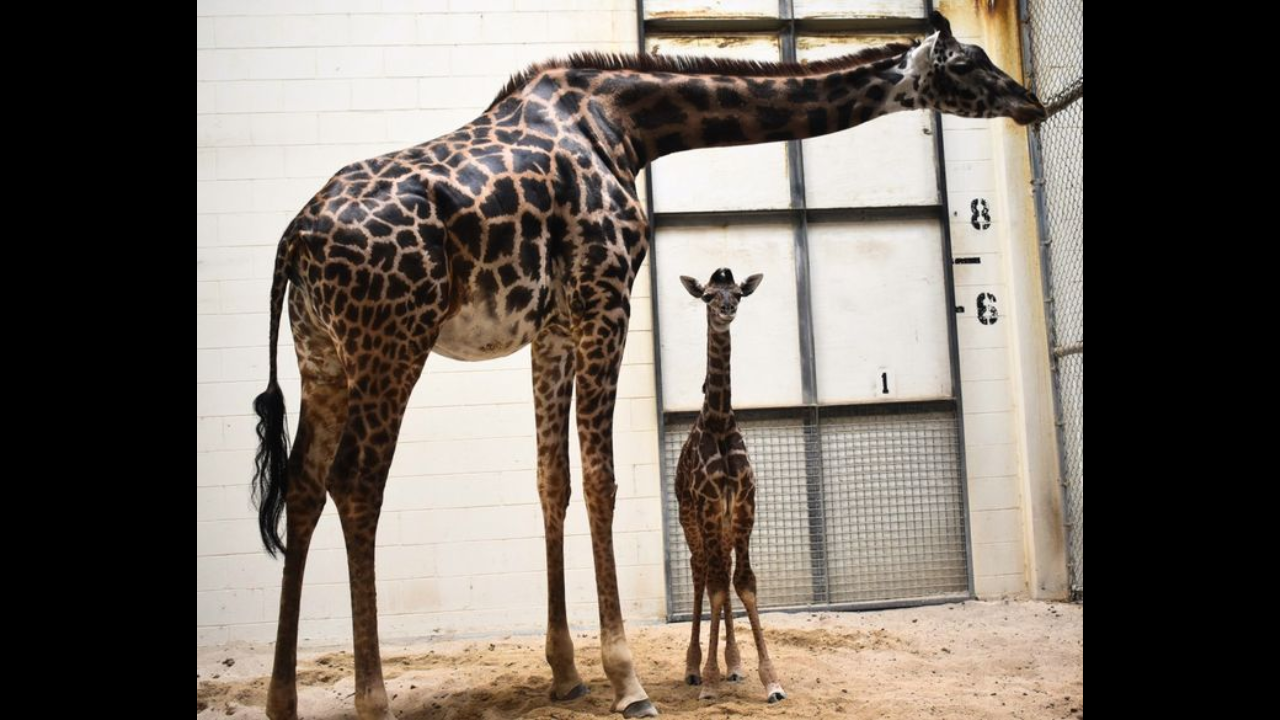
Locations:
column 721, row 295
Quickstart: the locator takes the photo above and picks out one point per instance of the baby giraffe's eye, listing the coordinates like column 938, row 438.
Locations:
column 708, row 298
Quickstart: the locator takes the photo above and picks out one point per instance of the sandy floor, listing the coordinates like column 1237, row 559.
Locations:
column 975, row 660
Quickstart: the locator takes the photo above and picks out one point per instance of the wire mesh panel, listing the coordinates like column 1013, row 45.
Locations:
column 780, row 451
column 1056, row 30
column 893, row 508
column 851, row 509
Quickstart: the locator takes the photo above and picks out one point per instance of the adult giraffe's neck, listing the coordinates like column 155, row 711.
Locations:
column 664, row 113
column 717, row 400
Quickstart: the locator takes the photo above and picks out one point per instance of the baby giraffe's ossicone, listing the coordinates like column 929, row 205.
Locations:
column 716, row 489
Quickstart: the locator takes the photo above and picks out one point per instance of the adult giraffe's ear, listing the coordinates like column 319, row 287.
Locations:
column 940, row 23
column 749, row 285
column 693, row 286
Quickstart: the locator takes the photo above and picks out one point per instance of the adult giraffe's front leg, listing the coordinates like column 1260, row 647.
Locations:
column 600, row 342
column 552, row 393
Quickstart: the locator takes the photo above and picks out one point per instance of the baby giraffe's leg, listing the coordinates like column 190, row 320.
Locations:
column 716, row 554
column 744, row 581
column 732, row 658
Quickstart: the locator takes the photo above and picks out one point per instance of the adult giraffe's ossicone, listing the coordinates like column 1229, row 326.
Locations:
column 524, row 227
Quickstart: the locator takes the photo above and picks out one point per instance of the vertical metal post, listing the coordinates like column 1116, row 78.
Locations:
column 953, row 337
column 812, row 432
column 800, row 225
column 663, row 480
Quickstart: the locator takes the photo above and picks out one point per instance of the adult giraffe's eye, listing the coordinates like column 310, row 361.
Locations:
column 960, row 67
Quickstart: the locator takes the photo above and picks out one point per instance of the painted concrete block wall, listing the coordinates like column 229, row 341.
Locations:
column 1009, row 434
column 286, row 93
column 985, row 372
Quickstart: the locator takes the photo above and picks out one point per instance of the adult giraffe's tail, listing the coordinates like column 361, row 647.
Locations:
column 270, row 478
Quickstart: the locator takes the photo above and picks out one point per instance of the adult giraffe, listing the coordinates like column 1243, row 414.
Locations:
column 524, row 227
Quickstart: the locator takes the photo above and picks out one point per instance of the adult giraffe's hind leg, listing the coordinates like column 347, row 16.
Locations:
column 552, row 393
column 356, row 482
column 598, row 362
column 324, row 413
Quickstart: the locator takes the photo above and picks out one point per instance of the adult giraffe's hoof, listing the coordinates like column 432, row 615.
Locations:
column 640, row 708
column 282, row 702
column 777, row 696
column 578, row 691
column 693, row 679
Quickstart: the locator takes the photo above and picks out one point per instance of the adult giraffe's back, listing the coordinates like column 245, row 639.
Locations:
column 524, row 227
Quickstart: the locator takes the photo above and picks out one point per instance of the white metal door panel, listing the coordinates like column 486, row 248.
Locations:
column 766, row 357
column 750, row 177
column 887, row 162
column 878, row 290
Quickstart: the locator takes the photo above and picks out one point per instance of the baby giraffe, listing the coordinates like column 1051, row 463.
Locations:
column 716, row 489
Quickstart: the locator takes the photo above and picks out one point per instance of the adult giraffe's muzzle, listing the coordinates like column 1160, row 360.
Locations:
column 1029, row 110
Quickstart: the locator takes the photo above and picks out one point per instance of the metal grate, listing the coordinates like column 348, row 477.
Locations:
column 852, row 508
column 1056, row 62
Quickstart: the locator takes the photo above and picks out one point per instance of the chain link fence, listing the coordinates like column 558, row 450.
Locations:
column 1056, row 66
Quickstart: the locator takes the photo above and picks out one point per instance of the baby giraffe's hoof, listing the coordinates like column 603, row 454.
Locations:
column 777, row 696
column 693, row 679
column 640, row 708
column 707, row 694
column 735, row 677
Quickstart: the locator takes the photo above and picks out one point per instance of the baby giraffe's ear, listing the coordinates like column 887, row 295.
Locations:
column 693, row 286
column 749, row 285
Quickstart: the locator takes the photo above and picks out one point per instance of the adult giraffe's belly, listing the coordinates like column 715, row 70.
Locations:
column 474, row 333
column 498, row 313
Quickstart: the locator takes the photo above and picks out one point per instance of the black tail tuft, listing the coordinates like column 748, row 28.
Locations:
column 270, row 478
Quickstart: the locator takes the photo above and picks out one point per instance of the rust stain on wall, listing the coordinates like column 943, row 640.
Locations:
column 690, row 44
column 847, row 43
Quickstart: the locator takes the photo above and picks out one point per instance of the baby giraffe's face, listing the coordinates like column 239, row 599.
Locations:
column 721, row 295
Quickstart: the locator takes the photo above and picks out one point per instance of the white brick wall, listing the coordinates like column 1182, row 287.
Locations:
column 288, row 91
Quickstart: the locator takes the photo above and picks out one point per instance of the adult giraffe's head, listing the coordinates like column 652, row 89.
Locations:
column 961, row 80
column 721, row 295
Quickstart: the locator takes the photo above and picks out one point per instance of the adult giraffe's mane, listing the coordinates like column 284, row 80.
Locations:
column 698, row 65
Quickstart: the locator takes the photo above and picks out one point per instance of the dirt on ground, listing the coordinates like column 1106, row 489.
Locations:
column 970, row 660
